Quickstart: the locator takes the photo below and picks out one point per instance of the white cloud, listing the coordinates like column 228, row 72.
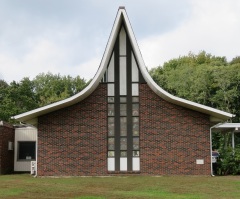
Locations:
column 89, row 68
column 213, row 26
column 43, row 56
column 46, row 56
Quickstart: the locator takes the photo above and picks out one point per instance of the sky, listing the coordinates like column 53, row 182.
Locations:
column 68, row 37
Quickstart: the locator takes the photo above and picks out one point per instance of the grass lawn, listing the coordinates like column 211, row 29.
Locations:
column 184, row 187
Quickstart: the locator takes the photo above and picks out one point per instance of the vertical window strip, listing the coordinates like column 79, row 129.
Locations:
column 122, row 42
column 135, row 72
column 110, row 70
column 123, row 76
column 116, row 104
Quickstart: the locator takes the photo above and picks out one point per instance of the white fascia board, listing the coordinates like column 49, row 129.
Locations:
column 85, row 92
column 164, row 94
column 229, row 125
column 222, row 127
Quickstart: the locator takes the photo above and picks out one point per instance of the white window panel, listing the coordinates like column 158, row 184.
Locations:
column 136, row 163
column 135, row 76
column 110, row 89
column 123, row 164
column 122, row 42
column 123, row 76
column 110, row 73
column 135, row 90
column 111, row 164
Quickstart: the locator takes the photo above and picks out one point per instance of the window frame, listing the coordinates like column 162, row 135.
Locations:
column 18, row 152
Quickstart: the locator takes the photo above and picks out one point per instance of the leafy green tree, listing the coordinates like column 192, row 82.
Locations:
column 204, row 79
column 226, row 88
column 51, row 88
column 27, row 95
column 235, row 60
column 17, row 98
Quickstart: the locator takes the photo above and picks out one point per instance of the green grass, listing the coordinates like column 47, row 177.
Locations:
column 180, row 187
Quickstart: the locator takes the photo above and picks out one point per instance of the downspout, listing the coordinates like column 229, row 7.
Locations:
column 233, row 141
column 36, row 156
column 211, row 145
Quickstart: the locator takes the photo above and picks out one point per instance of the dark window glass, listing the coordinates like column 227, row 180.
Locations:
column 135, row 109
column 135, row 99
column 135, row 126
column 110, row 126
column 111, row 153
column 123, row 99
column 123, row 109
column 111, row 144
column 135, row 143
column 110, row 109
column 111, row 99
column 123, row 126
column 110, row 120
column 26, row 151
column 110, row 129
column 123, row 143
column 123, row 154
column 135, row 153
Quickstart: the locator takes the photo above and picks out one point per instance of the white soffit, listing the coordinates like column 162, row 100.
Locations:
column 122, row 16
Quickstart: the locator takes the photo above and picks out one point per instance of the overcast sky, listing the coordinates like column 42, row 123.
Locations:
column 69, row 36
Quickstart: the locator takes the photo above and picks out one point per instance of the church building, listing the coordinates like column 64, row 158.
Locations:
column 122, row 122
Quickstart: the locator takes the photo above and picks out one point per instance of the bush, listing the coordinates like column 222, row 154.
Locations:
column 229, row 161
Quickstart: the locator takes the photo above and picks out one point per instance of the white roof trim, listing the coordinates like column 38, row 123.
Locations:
column 227, row 126
column 122, row 15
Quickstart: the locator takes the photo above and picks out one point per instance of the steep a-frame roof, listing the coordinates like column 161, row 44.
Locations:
column 31, row 116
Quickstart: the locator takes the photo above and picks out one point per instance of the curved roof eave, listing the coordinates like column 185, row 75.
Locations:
column 122, row 15
column 164, row 94
column 85, row 92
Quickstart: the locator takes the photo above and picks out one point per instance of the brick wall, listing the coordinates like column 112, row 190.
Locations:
column 172, row 137
column 6, row 156
column 73, row 140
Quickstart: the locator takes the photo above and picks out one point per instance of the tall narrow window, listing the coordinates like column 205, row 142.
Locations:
column 123, row 125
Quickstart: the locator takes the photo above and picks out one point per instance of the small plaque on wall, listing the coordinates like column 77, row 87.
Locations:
column 199, row 161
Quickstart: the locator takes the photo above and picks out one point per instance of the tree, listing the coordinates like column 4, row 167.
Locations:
column 27, row 95
column 204, row 79
column 17, row 98
column 51, row 88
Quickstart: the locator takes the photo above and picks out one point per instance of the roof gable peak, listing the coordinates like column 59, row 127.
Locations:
column 122, row 17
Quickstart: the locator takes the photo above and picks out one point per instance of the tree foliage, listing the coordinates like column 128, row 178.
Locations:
column 17, row 98
column 26, row 95
column 51, row 88
column 204, row 79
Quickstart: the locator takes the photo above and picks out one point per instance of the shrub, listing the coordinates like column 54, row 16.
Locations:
column 229, row 161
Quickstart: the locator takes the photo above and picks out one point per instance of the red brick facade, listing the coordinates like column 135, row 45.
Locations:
column 172, row 137
column 6, row 156
column 73, row 140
